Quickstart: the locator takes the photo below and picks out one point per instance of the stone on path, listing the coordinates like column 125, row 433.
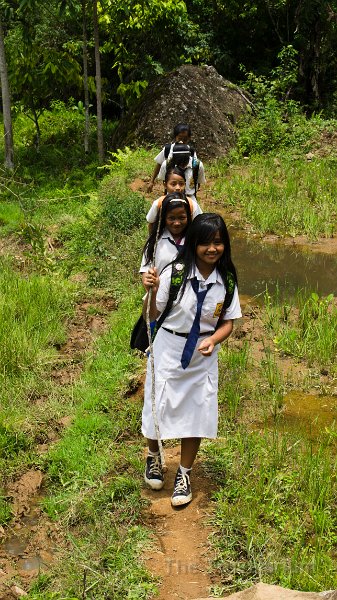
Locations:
column 263, row 591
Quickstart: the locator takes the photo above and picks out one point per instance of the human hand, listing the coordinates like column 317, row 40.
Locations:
column 150, row 187
column 206, row 347
column 151, row 279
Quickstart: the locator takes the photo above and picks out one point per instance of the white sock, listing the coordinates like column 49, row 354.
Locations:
column 150, row 453
column 184, row 470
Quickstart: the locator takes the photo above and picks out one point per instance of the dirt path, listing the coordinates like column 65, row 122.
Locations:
column 181, row 559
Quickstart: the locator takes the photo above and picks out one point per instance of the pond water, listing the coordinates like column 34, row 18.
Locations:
column 275, row 266
column 307, row 415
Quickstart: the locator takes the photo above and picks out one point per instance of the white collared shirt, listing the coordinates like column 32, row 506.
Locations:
column 153, row 212
column 183, row 311
column 165, row 253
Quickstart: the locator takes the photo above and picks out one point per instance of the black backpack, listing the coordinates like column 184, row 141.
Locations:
column 181, row 151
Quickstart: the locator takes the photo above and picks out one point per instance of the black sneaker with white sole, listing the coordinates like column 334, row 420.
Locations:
column 182, row 493
column 153, row 475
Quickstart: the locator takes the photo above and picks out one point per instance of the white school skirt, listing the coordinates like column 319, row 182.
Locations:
column 186, row 399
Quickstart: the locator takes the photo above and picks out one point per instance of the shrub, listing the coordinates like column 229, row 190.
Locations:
column 124, row 210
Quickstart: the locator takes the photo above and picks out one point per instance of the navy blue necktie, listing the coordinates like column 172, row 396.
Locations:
column 193, row 335
column 178, row 246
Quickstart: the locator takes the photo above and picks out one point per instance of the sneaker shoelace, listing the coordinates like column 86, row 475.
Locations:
column 155, row 466
column 181, row 483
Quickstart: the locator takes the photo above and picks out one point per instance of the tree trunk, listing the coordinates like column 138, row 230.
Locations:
column 6, row 103
column 100, row 142
column 85, row 78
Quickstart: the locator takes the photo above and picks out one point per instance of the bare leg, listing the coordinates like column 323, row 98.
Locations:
column 153, row 445
column 189, row 450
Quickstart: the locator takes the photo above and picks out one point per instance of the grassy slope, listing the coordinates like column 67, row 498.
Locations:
column 267, row 483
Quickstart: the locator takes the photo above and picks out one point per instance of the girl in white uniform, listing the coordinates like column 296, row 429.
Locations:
column 173, row 221
column 174, row 181
column 186, row 369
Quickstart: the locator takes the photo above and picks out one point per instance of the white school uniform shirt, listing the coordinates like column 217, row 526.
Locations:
column 186, row 399
column 181, row 316
column 153, row 212
column 189, row 189
column 165, row 253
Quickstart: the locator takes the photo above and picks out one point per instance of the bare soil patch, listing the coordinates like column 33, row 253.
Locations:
column 89, row 322
column 181, row 557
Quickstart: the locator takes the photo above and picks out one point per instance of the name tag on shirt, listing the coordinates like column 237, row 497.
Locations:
column 218, row 309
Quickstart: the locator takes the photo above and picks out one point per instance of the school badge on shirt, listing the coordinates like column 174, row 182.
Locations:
column 218, row 309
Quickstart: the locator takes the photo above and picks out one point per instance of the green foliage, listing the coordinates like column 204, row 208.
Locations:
column 123, row 209
column 5, row 510
column 124, row 212
column 276, row 116
column 267, row 484
column 137, row 33
column 282, row 195
column 311, row 331
column 31, row 313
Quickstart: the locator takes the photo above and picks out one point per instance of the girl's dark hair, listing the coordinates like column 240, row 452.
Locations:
column 182, row 127
column 171, row 201
column 173, row 169
column 203, row 229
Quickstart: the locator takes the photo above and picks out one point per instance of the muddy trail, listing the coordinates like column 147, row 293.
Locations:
column 181, row 556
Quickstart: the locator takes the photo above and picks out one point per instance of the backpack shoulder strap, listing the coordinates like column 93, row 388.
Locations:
column 195, row 171
column 160, row 201
column 167, row 149
column 177, row 278
column 190, row 201
column 230, row 288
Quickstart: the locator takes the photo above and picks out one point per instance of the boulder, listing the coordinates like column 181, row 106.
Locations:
column 196, row 95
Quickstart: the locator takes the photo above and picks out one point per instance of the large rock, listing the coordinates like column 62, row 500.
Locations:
column 196, row 95
column 263, row 591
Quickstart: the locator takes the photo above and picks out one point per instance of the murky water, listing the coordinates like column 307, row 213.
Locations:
column 308, row 414
column 273, row 265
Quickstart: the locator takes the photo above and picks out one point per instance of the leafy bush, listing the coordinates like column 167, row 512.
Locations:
column 279, row 121
column 124, row 210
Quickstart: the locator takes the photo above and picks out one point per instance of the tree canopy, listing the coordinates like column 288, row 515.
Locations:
column 140, row 39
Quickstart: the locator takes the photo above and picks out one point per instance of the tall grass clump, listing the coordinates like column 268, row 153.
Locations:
column 283, row 196
column 232, row 381
column 32, row 312
column 275, row 511
column 307, row 329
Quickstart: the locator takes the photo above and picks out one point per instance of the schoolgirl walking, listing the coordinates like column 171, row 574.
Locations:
column 186, row 346
column 169, row 230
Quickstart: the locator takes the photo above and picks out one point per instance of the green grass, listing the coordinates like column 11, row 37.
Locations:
column 283, row 195
column 275, row 511
column 31, row 315
column 307, row 329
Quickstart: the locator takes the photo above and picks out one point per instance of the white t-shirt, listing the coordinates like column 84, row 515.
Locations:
column 153, row 212
column 182, row 314
column 166, row 251
column 190, row 188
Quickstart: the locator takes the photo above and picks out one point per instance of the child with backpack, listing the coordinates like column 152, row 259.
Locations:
column 172, row 221
column 174, row 181
column 181, row 133
column 186, row 346
column 184, row 156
